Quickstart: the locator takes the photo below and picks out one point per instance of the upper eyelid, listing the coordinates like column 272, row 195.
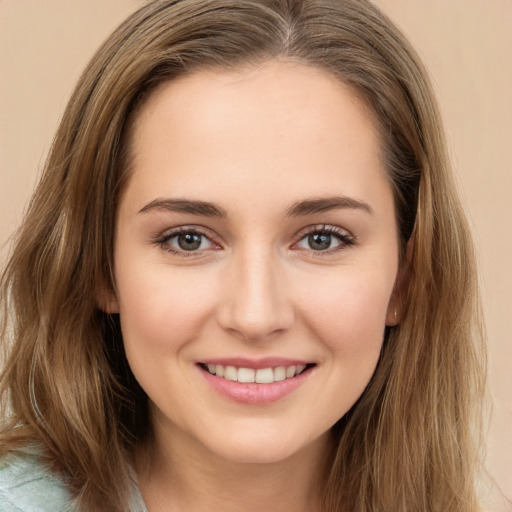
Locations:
column 205, row 231
column 192, row 228
column 326, row 228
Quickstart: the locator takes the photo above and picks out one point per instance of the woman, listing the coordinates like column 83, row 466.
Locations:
column 245, row 280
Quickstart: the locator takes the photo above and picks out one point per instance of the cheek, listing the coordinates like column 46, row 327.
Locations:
column 161, row 308
column 348, row 312
column 348, row 319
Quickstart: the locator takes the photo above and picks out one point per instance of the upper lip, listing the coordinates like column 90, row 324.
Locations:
column 256, row 364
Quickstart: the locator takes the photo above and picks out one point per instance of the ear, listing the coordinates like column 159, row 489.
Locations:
column 107, row 299
column 396, row 303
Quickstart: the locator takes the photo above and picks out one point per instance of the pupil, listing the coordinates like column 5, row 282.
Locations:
column 319, row 241
column 189, row 241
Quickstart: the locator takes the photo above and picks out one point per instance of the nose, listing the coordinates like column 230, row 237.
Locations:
column 255, row 305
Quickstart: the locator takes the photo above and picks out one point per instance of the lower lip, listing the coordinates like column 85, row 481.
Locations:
column 255, row 393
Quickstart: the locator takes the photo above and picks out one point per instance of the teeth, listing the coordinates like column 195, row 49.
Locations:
column 280, row 373
column 230, row 373
column 265, row 375
column 290, row 372
column 246, row 375
column 261, row 376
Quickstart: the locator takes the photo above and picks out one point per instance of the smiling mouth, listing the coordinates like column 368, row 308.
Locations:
column 259, row 376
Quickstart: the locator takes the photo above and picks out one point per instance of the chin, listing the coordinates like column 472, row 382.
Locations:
column 258, row 456
column 264, row 448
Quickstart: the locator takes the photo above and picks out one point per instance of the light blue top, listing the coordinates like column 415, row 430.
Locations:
column 27, row 486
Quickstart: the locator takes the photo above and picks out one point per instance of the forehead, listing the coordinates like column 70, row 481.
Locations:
column 275, row 123
column 293, row 92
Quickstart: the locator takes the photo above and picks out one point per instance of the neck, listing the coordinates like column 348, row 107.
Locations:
column 178, row 474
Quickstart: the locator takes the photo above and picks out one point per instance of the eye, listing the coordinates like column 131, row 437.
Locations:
column 189, row 241
column 325, row 239
column 186, row 240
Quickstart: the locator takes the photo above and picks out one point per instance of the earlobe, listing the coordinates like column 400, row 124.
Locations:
column 396, row 304
column 110, row 306
column 392, row 317
column 107, row 300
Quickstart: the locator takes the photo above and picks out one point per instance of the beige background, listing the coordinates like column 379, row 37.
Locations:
column 467, row 45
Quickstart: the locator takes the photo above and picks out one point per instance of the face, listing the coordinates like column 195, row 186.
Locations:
column 255, row 258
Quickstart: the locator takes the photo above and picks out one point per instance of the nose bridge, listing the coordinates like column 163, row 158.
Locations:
column 256, row 304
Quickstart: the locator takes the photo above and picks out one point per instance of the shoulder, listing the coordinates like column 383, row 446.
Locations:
column 27, row 486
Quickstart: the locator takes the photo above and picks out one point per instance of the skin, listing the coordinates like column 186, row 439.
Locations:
column 255, row 287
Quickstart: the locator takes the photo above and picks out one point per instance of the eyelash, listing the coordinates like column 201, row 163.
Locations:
column 163, row 241
column 345, row 239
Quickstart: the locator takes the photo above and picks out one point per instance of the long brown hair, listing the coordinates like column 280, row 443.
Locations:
column 409, row 442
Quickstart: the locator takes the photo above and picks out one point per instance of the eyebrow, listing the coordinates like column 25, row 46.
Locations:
column 301, row 208
column 312, row 206
column 185, row 206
